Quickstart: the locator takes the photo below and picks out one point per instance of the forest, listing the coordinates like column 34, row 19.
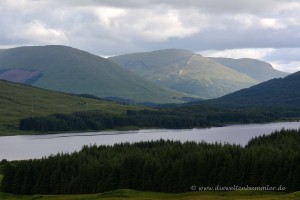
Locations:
column 181, row 117
column 164, row 166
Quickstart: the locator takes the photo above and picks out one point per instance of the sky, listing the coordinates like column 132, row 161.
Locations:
column 263, row 29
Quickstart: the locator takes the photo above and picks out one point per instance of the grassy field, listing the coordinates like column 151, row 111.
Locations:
column 136, row 195
column 19, row 101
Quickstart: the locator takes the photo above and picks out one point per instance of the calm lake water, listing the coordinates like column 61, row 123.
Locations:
column 37, row 146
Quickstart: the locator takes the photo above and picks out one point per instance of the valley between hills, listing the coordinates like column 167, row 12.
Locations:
column 61, row 79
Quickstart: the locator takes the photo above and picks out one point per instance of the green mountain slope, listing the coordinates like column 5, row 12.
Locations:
column 185, row 71
column 71, row 70
column 275, row 92
column 259, row 70
column 18, row 101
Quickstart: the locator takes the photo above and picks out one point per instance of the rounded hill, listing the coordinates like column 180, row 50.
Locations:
column 71, row 70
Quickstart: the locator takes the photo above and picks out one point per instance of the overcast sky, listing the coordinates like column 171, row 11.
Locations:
column 263, row 29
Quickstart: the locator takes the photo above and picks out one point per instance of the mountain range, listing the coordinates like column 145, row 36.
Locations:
column 191, row 73
column 18, row 101
column 163, row 76
column 70, row 70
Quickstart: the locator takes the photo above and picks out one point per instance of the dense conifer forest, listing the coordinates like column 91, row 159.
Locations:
column 181, row 117
column 166, row 166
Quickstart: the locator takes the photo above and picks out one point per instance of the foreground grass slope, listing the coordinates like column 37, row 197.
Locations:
column 136, row 195
column 19, row 101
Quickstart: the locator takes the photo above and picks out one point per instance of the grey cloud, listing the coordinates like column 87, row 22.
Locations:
column 142, row 25
column 217, row 6
column 285, row 55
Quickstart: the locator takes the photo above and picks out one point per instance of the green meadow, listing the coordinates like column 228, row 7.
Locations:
column 19, row 101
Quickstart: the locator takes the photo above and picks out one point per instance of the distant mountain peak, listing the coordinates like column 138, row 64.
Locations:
column 173, row 50
column 185, row 71
column 259, row 70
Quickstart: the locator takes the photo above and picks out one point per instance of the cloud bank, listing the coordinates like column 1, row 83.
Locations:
column 268, row 29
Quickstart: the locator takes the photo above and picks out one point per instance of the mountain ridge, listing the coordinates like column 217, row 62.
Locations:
column 71, row 70
column 178, row 69
column 259, row 70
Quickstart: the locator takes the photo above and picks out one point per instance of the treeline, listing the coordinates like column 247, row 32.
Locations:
column 165, row 166
column 96, row 120
column 182, row 117
column 89, row 120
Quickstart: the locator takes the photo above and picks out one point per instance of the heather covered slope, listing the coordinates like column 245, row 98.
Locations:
column 185, row 71
column 71, row 70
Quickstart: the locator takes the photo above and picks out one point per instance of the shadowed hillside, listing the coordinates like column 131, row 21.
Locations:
column 276, row 92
